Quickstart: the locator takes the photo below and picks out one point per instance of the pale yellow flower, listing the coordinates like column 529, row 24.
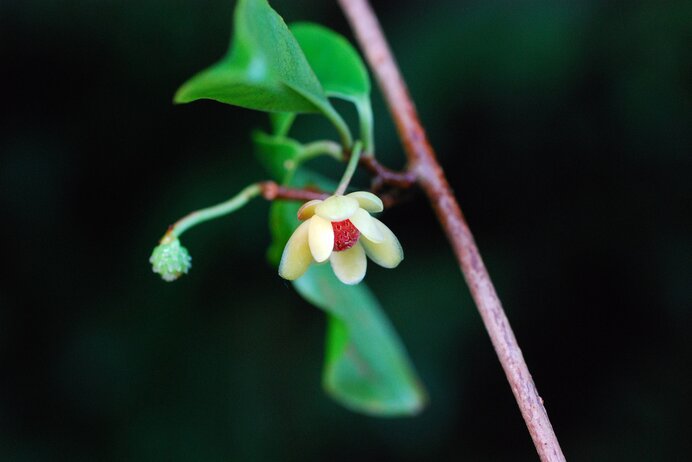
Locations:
column 341, row 230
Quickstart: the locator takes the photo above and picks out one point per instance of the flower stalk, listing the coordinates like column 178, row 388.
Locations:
column 350, row 169
column 323, row 147
column 216, row 211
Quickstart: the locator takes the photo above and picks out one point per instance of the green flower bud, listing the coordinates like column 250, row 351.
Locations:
column 170, row 259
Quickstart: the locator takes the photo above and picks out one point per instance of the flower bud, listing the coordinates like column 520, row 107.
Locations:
column 170, row 259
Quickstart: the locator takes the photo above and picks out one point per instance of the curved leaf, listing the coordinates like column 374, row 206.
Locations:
column 336, row 63
column 265, row 68
column 366, row 366
column 340, row 70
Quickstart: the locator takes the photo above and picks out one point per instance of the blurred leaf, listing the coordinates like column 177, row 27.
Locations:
column 279, row 155
column 367, row 368
column 281, row 122
column 282, row 155
column 340, row 70
column 283, row 220
column 265, row 68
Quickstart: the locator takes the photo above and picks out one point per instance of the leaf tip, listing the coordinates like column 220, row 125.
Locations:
column 182, row 96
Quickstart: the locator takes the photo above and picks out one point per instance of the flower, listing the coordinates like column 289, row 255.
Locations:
column 170, row 259
column 340, row 229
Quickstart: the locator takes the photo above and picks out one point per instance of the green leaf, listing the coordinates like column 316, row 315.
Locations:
column 265, row 68
column 340, row 70
column 279, row 155
column 283, row 220
column 336, row 63
column 281, row 122
column 367, row 368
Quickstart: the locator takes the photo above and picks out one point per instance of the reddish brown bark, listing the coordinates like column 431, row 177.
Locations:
column 272, row 191
column 431, row 178
column 385, row 176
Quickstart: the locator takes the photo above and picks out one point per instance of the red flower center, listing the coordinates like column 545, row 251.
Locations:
column 345, row 235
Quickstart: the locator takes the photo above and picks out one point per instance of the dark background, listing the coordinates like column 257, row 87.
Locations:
column 565, row 130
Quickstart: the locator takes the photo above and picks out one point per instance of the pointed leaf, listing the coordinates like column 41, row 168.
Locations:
column 367, row 368
column 265, row 68
column 336, row 63
column 340, row 70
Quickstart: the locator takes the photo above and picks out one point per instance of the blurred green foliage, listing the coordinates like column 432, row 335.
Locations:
column 564, row 129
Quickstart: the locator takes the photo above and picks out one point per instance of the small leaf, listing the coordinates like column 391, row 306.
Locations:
column 367, row 368
column 336, row 63
column 340, row 70
column 265, row 68
column 279, row 155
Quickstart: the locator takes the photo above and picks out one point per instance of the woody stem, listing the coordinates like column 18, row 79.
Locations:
column 431, row 178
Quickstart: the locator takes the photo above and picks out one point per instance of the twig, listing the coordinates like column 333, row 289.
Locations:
column 431, row 178
column 272, row 191
column 384, row 175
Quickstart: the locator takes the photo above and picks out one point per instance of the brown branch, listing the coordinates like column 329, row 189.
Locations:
column 272, row 191
column 399, row 181
column 431, row 178
column 385, row 176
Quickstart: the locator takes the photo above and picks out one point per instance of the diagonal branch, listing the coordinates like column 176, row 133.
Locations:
column 431, row 178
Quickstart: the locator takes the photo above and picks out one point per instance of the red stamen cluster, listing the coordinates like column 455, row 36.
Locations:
column 345, row 235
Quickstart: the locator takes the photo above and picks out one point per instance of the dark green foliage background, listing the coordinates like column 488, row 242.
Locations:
column 565, row 128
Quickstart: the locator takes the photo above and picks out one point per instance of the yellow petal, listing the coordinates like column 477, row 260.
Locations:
column 367, row 201
column 320, row 238
column 296, row 257
column 350, row 265
column 308, row 209
column 387, row 253
column 367, row 225
column 337, row 208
